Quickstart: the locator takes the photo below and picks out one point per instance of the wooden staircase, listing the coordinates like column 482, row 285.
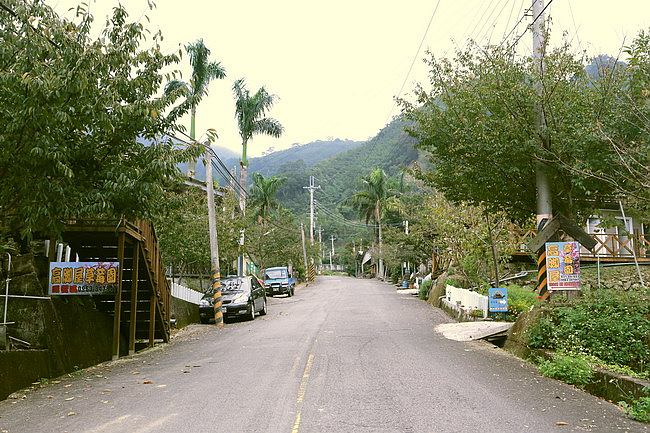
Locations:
column 141, row 305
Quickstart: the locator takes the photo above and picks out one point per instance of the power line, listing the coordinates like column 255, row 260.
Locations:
column 514, row 44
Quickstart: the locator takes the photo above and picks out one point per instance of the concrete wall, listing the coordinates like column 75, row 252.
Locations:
column 64, row 333
column 19, row 368
column 184, row 312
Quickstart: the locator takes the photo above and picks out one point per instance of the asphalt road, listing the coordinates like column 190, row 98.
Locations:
column 343, row 355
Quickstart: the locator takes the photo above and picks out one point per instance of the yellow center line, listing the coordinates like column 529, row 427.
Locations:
column 296, row 424
column 302, row 388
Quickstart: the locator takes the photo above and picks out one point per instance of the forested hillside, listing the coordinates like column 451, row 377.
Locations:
column 340, row 176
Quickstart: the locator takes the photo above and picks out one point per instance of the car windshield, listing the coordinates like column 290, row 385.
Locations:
column 272, row 274
column 233, row 285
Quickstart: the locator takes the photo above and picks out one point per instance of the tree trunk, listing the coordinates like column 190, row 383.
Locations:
column 191, row 166
column 381, row 259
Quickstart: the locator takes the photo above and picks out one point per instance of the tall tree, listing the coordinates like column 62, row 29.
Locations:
column 376, row 197
column 249, row 112
column 81, row 120
column 477, row 123
column 263, row 192
column 203, row 71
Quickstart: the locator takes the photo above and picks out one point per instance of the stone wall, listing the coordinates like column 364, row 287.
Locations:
column 67, row 332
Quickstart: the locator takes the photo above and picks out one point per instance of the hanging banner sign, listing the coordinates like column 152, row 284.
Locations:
column 563, row 265
column 498, row 300
column 83, row 278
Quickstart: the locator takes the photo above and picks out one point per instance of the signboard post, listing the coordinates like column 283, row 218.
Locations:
column 498, row 301
column 83, row 278
column 563, row 265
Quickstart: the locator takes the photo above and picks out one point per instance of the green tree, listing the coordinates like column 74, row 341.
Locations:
column 203, row 71
column 478, row 124
column 81, row 122
column 263, row 195
column 183, row 230
column 249, row 112
column 278, row 243
column 376, row 197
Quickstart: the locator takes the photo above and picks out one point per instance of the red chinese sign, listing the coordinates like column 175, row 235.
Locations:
column 83, row 278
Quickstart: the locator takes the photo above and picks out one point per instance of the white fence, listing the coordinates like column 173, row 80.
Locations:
column 466, row 299
column 186, row 294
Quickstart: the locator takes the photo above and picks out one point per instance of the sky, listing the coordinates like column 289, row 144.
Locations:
column 336, row 66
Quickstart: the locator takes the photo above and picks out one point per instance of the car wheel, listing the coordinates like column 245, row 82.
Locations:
column 263, row 310
column 289, row 292
column 252, row 313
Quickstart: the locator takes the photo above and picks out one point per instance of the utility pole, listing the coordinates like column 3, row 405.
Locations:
column 215, row 272
column 320, row 241
column 331, row 251
column 544, row 195
column 406, row 227
column 304, row 248
column 311, row 189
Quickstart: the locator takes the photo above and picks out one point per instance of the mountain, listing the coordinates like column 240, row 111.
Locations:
column 310, row 154
column 339, row 176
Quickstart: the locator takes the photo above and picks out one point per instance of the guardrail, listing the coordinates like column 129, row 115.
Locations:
column 467, row 299
column 186, row 294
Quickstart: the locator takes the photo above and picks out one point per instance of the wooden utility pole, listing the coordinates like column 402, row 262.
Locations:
column 215, row 272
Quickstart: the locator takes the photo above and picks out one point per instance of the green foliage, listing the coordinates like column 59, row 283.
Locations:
column 262, row 194
column 519, row 300
column 611, row 325
column 638, row 409
column 567, row 367
column 478, row 125
column 250, row 111
column 278, row 243
column 423, row 291
column 184, row 235
column 81, row 120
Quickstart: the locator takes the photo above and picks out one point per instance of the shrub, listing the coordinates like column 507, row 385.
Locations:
column 423, row 292
column 638, row 409
column 611, row 325
column 519, row 300
column 569, row 368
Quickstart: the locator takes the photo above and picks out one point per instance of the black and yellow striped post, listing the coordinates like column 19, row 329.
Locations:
column 312, row 272
column 542, row 278
column 217, row 301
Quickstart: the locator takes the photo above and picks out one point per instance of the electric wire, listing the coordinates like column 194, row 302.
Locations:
column 417, row 53
column 514, row 44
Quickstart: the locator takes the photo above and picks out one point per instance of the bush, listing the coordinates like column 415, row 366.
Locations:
column 569, row 368
column 638, row 409
column 611, row 325
column 423, row 292
column 519, row 300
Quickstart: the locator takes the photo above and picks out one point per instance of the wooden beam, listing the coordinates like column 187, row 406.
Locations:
column 152, row 317
column 118, row 298
column 134, row 297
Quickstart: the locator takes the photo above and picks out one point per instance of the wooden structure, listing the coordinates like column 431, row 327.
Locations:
column 609, row 247
column 141, row 305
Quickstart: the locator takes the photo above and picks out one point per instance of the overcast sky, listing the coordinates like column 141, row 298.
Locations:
column 337, row 65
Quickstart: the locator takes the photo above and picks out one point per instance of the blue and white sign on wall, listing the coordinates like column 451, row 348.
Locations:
column 498, row 300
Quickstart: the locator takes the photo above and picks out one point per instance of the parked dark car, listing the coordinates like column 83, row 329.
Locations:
column 241, row 297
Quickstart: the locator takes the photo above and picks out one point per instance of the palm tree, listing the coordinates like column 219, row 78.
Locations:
column 263, row 193
column 249, row 112
column 376, row 197
column 203, row 71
